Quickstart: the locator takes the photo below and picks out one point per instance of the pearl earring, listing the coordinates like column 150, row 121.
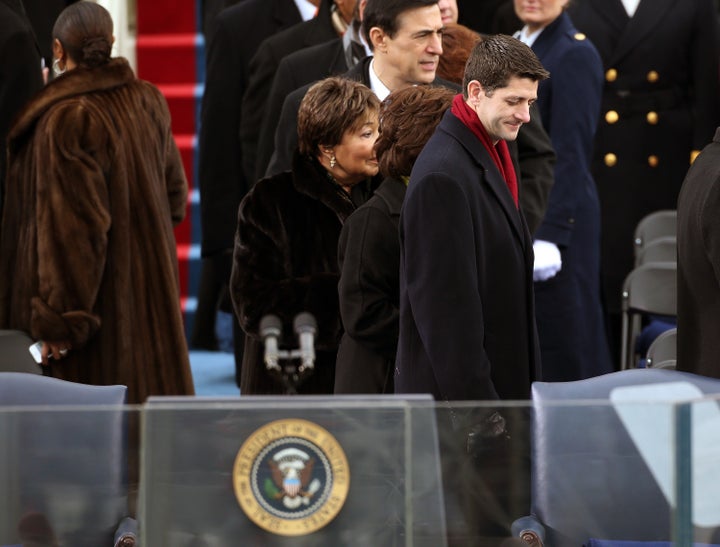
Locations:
column 333, row 161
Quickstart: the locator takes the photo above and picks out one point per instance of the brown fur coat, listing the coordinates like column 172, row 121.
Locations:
column 94, row 185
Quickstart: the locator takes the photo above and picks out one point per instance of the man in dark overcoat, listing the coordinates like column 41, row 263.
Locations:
column 661, row 104
column 467, row 317
column 698, row 241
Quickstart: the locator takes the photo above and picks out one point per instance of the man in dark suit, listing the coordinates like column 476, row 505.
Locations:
column 698, row 241
column 303, row 67
column 239, row 29
column 660, row 106
column 331, row 21
column 20, row 70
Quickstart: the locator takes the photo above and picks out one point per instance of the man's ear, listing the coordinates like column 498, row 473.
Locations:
column 378, row 39
column 474, row 91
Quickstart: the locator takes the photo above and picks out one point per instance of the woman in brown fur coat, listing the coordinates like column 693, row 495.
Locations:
column 285, row 259
column 94, row 185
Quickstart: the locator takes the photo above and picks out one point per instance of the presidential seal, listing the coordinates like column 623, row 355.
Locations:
column 291, row 477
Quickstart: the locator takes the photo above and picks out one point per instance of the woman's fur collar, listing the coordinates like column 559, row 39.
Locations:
column 311, row 178
column 78, row 81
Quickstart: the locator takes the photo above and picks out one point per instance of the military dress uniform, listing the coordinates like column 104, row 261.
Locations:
column 660, row 105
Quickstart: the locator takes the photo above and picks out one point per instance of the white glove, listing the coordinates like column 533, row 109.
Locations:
column 547, row 260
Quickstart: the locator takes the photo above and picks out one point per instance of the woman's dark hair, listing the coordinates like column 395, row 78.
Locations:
column 408, row 118
column 85, row 30
column 329, row 109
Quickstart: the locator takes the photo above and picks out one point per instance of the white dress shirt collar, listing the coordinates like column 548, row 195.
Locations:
column 526, row 37
column 306, row 8
column 631, row 6
column 376, row 85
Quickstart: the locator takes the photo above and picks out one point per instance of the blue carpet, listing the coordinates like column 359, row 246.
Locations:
column 213, row 373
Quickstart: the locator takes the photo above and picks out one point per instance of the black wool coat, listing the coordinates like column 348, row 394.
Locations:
column 285, row 262
column 467, row 317
column 369, row 255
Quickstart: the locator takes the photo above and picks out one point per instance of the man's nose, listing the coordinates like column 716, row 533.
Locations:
column 523, row 113
column 435, row 44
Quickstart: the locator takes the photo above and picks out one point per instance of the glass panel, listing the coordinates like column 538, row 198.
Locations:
column 65, row 474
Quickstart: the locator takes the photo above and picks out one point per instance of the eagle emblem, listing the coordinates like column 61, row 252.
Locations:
column 292, row 480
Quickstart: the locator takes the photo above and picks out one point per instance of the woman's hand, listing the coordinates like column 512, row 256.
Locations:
column 56, row 350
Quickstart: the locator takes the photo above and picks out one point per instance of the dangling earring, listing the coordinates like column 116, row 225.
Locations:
column 57, row 71
column 333, row 161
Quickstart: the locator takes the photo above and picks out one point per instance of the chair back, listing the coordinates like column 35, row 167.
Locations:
column 654, row 225
column 64, row 466
column 662, row 353
column 650, row 289
column 590, row 478
column 14, row 353
column 662, row 249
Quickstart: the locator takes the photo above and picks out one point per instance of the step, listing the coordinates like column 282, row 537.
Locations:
column 163, row 16
column 170, row 58
column 184, row 101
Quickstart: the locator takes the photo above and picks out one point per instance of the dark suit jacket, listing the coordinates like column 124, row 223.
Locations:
column 663, row 86
column 20, row 74
column 698, row 240
column 369, row 256
column 467, row 321
column 262, row 70
column 42, row 15
column 533, row 154
column 295, row 70
column 239, row 29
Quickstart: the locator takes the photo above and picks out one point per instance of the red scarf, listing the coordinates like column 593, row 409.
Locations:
column 498, row 152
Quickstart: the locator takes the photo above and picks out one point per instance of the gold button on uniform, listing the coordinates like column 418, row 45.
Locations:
column 652, row 118
column 653, row 161
column 610, row 160
column 611, row 116
column 611, row 75
column 653, row 76
column 580, row 36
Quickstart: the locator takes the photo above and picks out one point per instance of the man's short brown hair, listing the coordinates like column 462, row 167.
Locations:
column 495, row 59
column 330, row 108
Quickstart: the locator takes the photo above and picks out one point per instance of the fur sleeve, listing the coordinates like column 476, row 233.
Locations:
column 73, row 220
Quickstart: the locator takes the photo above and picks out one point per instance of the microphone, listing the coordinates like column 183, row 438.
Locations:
column 306, row 327
column 270, row 330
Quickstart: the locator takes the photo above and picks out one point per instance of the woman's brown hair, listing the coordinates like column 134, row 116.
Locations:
column 408, row 118
column 458, row 42
column 330, row 108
